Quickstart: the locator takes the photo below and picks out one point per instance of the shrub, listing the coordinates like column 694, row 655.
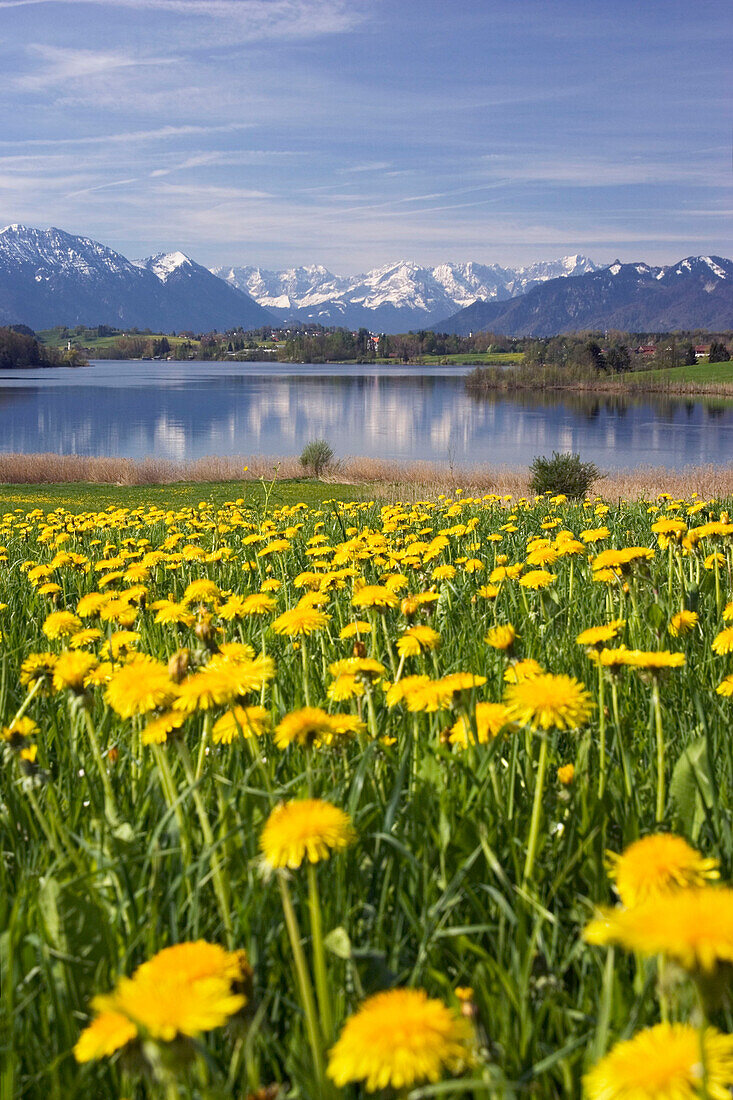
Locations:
column 563, row 473
column 317, row 456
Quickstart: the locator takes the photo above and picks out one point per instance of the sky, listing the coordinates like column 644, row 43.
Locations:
column 353, row 133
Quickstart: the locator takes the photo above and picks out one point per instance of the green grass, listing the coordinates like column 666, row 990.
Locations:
column 702, row 373
column 472, row 865
column 85, row 496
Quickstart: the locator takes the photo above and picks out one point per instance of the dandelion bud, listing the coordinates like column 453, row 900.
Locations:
column 178, row 665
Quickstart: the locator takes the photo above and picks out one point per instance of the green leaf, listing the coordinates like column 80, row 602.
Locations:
column 656, row 617
column 691, row 789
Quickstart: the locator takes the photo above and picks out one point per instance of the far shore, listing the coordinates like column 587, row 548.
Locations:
column 359, row 478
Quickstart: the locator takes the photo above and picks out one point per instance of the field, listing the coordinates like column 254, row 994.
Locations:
column 704, row 373
column 272, row 769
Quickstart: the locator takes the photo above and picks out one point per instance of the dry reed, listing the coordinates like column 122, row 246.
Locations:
column 409, row 480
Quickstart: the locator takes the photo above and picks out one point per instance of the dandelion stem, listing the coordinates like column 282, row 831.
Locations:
column 534, row 827
column 319, row 957
column 109, row 798
column 304, row 983
column 656, row 707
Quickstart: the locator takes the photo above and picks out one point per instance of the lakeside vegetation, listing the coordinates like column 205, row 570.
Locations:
column 254, row 761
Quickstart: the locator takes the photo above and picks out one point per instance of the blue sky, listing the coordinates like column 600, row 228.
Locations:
column 355, row 132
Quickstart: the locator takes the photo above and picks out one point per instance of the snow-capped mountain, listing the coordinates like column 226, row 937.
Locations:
column 201, row 301
column 395, row 297
column 49, row 277
column 696, row 292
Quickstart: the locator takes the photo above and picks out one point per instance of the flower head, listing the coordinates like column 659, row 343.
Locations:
column 693, row 926
column 399, row 1038
column 304, row 829
column 664, row 1062
column 657, row 864
column 139, row 687
column 548, row 702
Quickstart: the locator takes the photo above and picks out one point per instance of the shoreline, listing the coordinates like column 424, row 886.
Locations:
column 375, row 476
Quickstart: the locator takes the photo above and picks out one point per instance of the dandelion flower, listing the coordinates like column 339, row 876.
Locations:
column 657, row 864
column 139, row 687
column 397, row 1039
column 300, row 621
column 304, row 727
column 595, row 635
column 416, row 640
column 375, row 595
column 722, row 642
column 693, row 926
column 523, row 670
column 304, row 829
column 548, row 702
column 491, row 719
column 537, row 578
column 501, row 637
column 240, row 722
column 72, row 669
column 683, row 622
column 60, row 624
column 665, row 1062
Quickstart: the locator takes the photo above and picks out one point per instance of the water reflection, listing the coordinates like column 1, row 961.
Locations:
column 173, row 410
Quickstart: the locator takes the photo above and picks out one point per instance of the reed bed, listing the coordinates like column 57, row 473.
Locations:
column 393, row 479
column 317, row 803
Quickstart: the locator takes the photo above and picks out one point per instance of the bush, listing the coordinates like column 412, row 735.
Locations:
column 563, row 474
column 317, row 456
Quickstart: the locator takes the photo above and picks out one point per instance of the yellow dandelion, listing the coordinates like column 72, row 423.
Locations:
column 548, row 702
column 693, row 926
column 683, row 622
column 665, row 1062
column 537, row 578
column 416, row 640
column 657, row 864
column 61, row 624
column 355, row 629
column 159, row 729
column 300, row 621
column 240, row 722
column 201, row 591
column 490, row 718
column 723, row 642
column 595, row 635
column 523, row 670
column 107, row 1033
column 397, row 1039
column 566, row 774
column 376, row 596
column 501, row 637
column 139, row 687
column 37, row 666
column 72, row 669
column 304, row 829
column 725, row 687
column 304, row 727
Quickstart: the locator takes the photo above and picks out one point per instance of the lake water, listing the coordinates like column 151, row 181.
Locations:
column 188, row 410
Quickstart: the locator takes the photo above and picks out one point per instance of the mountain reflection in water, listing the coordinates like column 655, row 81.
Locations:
column 188, row 410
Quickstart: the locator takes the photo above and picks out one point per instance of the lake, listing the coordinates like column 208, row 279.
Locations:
column 189, row 410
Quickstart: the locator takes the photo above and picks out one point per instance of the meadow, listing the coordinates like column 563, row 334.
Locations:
column 345, row 798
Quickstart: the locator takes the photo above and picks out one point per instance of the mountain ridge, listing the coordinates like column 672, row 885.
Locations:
column 695, row 292
column 50, row 277
column 395, row 296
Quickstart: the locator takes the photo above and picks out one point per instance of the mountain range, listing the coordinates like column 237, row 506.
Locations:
column 49, row 277
column 394, row 298
column 696, row 292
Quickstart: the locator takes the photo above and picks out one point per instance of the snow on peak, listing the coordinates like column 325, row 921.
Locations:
column 615, row 268
column 163, row 264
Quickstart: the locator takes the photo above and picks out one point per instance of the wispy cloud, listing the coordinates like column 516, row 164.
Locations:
column 61, row 65
column 253, row 19
column 160, row 133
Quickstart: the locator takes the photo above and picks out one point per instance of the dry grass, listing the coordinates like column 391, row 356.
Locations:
column 411, row 480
